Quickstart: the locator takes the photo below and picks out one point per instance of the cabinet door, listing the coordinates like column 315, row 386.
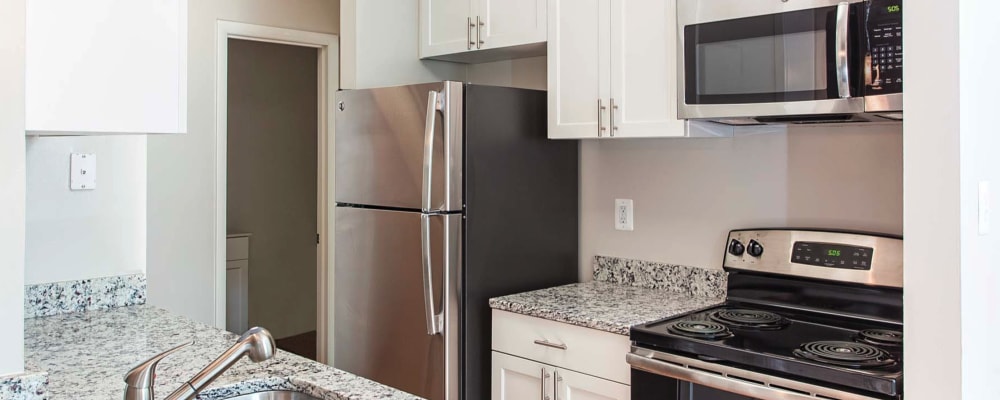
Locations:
column 237, row 283
column 644, row 68
column 106, row 66
column 571, row 385
column 515, row 378
column 445, row 27
column 505, row 23
column 578, row 68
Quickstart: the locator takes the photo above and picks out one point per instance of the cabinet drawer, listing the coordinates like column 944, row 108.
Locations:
column 580, row 349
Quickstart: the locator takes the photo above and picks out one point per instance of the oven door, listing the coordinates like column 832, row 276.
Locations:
column 764, row 58
column 663, row 376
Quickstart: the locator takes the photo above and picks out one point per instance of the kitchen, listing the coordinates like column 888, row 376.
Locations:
column 779, row 179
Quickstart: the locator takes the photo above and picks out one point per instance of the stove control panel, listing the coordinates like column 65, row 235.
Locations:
column 832, row 255
column 854, row 257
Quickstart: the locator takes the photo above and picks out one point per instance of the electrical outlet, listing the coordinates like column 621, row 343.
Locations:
column 984, row 208
column 623, row 214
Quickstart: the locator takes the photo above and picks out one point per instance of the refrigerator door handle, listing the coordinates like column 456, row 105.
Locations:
column 434, row 319
column 434, row 104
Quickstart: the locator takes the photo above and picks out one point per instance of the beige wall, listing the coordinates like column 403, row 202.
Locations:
column 688, row 193
column 272, row 153
column 12, row 186
column 182, row 168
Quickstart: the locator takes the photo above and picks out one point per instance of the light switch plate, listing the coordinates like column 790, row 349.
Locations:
column 82, row 171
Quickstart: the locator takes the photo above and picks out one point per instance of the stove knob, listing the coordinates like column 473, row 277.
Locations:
column 755, row 249
column 736, row 248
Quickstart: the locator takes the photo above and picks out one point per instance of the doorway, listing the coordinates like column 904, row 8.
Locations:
column 275, row 131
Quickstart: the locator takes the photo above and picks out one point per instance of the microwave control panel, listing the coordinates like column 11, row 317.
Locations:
column 884, row 61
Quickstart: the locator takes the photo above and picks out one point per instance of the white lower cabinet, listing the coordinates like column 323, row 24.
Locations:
column 516, row 378
column 539, row 359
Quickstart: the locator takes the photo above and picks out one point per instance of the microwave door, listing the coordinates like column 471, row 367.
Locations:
column 798, row 62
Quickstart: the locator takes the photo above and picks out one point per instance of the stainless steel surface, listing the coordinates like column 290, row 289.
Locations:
column 379, row 153
column 433, row 106
column 729, row 379
column 257, row 344
column 380, row 327
column 545, row 378
column 140, row 379
column 887, row 256
column 479, row 32
column 275, row 395
column 555, row 385
column 547, row 343
column 434, row 319
column 600, row 118
column 884, row 103
column 468, row 33
column 843, row 69
column 614, row 108
column 690, row 12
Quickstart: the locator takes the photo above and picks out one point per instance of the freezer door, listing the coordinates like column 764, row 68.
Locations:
column 384, row 329
column 400, row 147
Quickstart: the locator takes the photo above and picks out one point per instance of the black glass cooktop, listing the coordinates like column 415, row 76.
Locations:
column 846, row 352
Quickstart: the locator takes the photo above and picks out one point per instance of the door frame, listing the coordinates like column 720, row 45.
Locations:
column 328, row 81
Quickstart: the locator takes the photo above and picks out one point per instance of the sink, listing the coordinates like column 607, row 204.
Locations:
column 275, row 395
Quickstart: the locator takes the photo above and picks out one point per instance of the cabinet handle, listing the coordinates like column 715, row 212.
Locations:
column 614, row 107
column 600, row 118
column 468, row 33
column 545, row 378
column 479, row 33
column 555, row 386
column 547, row 343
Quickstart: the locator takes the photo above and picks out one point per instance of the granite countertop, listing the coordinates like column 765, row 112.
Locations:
column 610, row 307
column 86, row 355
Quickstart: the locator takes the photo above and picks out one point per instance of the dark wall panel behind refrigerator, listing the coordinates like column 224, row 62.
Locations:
column 522, row 200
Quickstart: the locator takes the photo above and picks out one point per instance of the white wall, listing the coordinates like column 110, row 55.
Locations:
column 978, row 149
column 12, row 186
column 379, row 46
column 182, row 168
column 932, row 244
column 74, row 235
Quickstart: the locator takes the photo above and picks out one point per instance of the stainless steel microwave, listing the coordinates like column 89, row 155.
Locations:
column 790, row 61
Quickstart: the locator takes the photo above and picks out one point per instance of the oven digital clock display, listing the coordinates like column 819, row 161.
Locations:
column 894, row 8
column 832, row 255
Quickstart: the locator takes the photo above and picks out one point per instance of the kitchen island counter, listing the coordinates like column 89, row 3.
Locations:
column 86, row 356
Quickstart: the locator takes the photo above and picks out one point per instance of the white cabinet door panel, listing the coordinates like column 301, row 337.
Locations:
column 106, row 66
column 511, row 22
column 576, row 386
column 444, row 27
column 578, row 70
column 515, row 378
column 237, row 284
column 643, row 68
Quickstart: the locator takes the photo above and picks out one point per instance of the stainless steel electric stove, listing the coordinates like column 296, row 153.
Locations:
column 809, row 314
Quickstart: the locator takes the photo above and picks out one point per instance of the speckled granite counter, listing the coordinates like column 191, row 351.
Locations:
column 605, row 306
column 86, row 355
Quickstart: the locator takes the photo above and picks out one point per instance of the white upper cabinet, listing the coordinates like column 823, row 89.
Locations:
column 482, row 30
column 579, row 68
column 106, row 67
column 627, row 65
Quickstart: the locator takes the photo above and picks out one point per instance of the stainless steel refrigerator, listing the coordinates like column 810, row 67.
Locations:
column 447, row 194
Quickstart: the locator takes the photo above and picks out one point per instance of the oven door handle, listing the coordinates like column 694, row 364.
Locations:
column 770, row 388
column 841, row 58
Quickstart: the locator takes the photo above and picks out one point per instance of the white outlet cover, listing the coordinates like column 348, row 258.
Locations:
column 624, row 220
column 82, row 171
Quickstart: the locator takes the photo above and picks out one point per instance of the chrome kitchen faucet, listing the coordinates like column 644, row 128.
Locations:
column 256, row 343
